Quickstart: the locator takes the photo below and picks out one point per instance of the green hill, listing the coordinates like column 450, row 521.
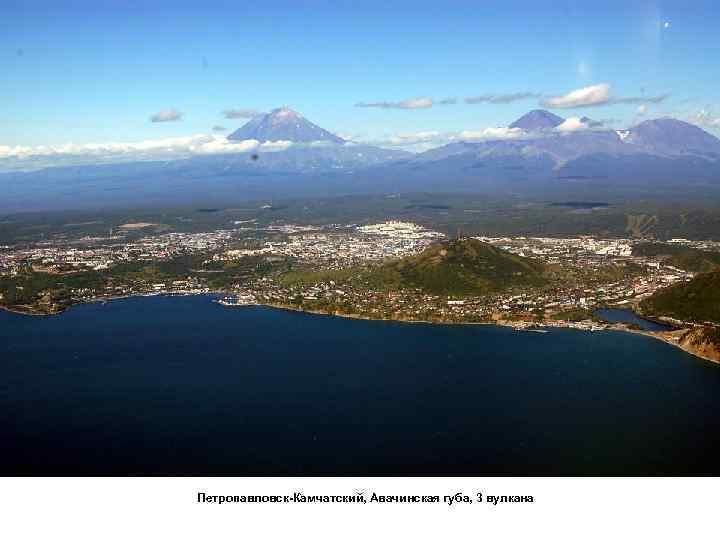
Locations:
column 696, row 300
column 687, row 258
column 458, row 268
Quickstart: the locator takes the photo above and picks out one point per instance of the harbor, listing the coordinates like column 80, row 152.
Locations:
column 237, row 300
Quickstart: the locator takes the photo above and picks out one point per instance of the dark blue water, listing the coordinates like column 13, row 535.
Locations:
column 182, row 386
column 628, row 317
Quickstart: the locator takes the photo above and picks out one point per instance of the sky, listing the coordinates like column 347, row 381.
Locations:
column 81, row 75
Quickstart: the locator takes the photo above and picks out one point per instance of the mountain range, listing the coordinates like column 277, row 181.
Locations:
column 543, row 153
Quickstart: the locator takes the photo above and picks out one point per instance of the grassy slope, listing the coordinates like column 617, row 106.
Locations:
column 461, row 267
column 697, row 300
column 456, row 268
column 687, row 258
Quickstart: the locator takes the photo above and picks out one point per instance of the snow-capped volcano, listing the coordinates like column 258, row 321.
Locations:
column 537, row 119
column 283, row 124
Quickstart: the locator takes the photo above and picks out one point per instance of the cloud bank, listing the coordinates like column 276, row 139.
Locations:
column 37, row 157
column 589, row 96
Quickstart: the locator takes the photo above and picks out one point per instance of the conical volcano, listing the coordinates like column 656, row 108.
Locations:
column 283, row 124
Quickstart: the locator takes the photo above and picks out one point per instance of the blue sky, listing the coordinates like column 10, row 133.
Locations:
column 95, row 72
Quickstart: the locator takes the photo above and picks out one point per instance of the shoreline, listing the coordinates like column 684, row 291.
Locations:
column 667, row 337
column 28, row 313
column 669, row 340
column 102, row 299
column 664, row 336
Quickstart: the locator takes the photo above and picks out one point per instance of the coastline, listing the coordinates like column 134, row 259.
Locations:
column 17, row 311
column 101, row 299
column 671, row 337
column 666, row 336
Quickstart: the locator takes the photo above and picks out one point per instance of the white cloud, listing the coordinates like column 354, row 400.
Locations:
column 598, row 94
column 706, row 119
column 167, row 115
column 414, row 103
column 492, row 133
column 641, row 110
column 572, row 124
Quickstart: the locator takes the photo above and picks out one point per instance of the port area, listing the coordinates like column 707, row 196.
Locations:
column 237, row 300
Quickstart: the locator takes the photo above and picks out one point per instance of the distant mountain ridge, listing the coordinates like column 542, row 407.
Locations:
column 673, row 137
column 665, row 137
column 662, row 156
column 658, row 152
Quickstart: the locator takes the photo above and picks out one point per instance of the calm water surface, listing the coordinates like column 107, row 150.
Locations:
column 626, row 316
column 176, row 386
